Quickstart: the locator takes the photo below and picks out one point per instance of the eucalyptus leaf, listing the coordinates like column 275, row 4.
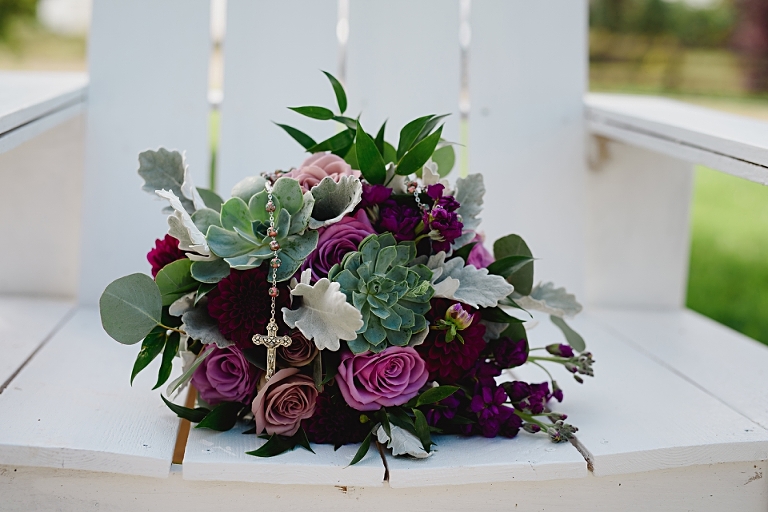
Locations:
column 302, row 138
column 369, row 159
column 514, row 245
column 573, row 338
column 222, row 418
column 169, row 352
column 314, row 112
column 415, row 158
column 175, row 280
column 150, row 348
column 338, row 89
column 130, row 308
column 193, row 415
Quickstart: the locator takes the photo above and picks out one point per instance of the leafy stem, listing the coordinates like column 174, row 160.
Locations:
column 172, row 329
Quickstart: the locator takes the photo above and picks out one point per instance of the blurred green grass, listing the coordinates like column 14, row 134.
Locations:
column 728, row 279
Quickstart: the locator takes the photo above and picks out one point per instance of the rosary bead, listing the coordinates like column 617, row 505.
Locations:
column 273, row 245
column 270, row 206
column 275, row 263
column 272, row 232
column 274, row 292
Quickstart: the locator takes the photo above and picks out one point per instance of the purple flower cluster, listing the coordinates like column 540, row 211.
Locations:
column 493, row 417
column 442, row 221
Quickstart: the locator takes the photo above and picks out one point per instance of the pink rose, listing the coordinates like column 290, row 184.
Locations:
column 286, row 399
column 371, row 381
column 318, row 166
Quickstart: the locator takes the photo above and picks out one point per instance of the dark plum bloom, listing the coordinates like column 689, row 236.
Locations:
column 446, row 202
column 226, row 376
column 335, row 241
column 400, row 219
column 166, row 251
column 449, row 361
column 492, row 415
column 444, row 227
column 240, row 305
column 484, row 373
column 373, row 195
column 560, row 350
column 511, row 427
column 445, row 408
column 557, row 393
column 529, row 398
column 509, row 353
column 334, row 422
column 479, row 257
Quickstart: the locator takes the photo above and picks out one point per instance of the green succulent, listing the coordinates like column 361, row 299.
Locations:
column 391, row 296
column 239, row 233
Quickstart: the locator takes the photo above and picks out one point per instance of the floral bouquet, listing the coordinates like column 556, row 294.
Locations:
column 349, row 300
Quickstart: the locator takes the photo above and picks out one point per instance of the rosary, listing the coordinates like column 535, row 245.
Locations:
column 272, row 341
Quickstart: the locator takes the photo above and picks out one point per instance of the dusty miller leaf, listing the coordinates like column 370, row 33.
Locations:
column 325, row 316
column 469, row 193
column 334, row 199
column 199, row 325
column 402, row 442
column 553, row 301
column 182, row 228
column 164, row 170
column 476, row 287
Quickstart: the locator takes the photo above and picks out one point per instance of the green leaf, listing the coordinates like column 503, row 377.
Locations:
column 506, row 267
column 362, row 451
column 222, row 418
column 130, row 308
column 428, row 127
column 409, row 133
column 390, row 153
column 419, row 154
column 463, row 251
column 150, row 348
column 211, row 199
column 398, row 417
column 351, row 157
column 515, row 331
column 513, row 245
column 346, row 121
column 320, row 113
column 434, row 395
column 203, row 290
column 302, row 138
column 371, row 162
column 279, row 444
column 338, row 89
column 210, row 272
column 335, row 143
column 445, row 158
column 302, row 440
column 498, row 315
column 193, row 415
column 572, row 337
column 175, row 280
column 257, row 356
column 379, row 141
column 170, row 351
column 422, row 430
column 289, row 192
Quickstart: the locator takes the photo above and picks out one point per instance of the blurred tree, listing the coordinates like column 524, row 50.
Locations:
column 751, row 39
column 11, row 10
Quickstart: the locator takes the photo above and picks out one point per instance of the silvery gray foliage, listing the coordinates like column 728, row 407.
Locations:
column 402, row 442
column 334, row 199
column 164, row 170
column 470, row 285
column 554, row 301
column 199, row 325
column 469, row 193
column 493, row 330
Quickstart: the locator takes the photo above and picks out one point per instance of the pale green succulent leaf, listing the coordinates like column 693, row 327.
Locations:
column 288, row 192
column 248, row 187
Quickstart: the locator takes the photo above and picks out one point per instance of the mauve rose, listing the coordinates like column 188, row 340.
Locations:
column 370, row 381
column 335, row 241
column 479, row 256
column 225, row 376
column 300, row 352
column 318, row 166
column 286, row 399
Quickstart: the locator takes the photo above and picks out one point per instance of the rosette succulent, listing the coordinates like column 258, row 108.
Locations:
column 391, row 296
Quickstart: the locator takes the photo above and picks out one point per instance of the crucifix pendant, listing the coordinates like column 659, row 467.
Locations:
column 272, row 341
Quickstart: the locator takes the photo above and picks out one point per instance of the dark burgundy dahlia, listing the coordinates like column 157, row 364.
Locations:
column 449, row 361
column 166, row 251
column 334, row 422
column 240, row 304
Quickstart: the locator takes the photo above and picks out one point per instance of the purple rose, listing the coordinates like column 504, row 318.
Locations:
column 509, row 353
column 370, row 381
column 479, row 257
column 225, row 376
column 399, row 219
column 335, row 241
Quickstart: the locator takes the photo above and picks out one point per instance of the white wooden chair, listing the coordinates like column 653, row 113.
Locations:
column 600, row 185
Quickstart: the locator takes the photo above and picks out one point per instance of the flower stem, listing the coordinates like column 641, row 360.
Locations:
column 542, row 367
column 172, row 329
column 560, row 360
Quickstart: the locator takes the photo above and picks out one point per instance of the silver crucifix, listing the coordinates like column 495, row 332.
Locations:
column 272, row 341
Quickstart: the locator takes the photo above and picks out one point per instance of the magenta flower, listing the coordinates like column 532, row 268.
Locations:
column 335, row 241
column 225, row 376
column 492, row 415
column 166, row 251
column 370, row 381
column 400, row 219
column 319, row 166
column 510, row 353
column 479, row 257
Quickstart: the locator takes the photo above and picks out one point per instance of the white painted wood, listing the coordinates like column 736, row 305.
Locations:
column 637, row 415
column 26, row 323
column 723, row 362
column 148, row 88
column 44, row 171
column 25, row 132
column 403, row 63
column 637, row 231
column 528, row 74
column 739, row 486
column 72, row 407
column 28, row 96
column 273, row 53
column 213, row 456
column 730, row 143
column 479, row 460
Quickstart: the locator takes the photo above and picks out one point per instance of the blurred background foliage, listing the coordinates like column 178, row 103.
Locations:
column 709, row 52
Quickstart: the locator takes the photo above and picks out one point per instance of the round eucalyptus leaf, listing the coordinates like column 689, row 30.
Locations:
column 130, row 308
